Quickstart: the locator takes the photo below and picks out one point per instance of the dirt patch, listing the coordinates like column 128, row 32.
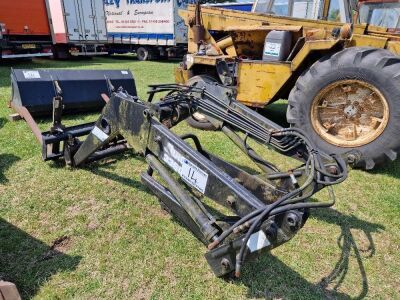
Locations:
column 59, row 246
column 92, row 225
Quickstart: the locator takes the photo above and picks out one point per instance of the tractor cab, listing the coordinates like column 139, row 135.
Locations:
column 380, row 13
column 331, row 10
column 383, row 13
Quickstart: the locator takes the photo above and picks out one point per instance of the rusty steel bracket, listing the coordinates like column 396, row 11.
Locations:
column 267, row 209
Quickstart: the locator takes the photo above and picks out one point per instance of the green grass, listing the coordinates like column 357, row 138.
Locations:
column 119, row 244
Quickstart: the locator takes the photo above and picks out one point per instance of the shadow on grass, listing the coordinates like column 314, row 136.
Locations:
column 347, row 243
column 390, row 169
column 271, row 278
column 3, row 122
column 275, row 112
column 6, row 160
column 28, row 262
column 104, row 168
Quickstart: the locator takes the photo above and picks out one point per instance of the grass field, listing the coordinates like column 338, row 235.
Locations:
column 96, row 232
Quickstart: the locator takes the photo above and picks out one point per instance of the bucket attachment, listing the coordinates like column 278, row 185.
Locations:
column 80, row 90
column 57, row 92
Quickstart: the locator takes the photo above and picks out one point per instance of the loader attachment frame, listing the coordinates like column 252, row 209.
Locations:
column 267, row 209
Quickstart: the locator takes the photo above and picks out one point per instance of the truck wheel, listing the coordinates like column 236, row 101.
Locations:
column 142, row 53
column 198, row 120
column 349, row 103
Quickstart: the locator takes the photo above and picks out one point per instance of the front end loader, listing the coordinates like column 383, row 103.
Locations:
column 342, row 81
column 237, row 213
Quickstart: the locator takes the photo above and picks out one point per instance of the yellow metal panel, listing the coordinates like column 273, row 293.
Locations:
column 219, row 19
column 225, row 42
column 368, row 41
column 207, row 60
column 263, row 28
column 377, row 28
column 231, row 51
column 311, row 46
column 249, row 43
column 394, row 47
column 388, row 35
column 181, row 75
column 258, row 82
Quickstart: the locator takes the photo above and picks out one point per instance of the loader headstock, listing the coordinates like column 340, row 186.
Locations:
column 267, row 208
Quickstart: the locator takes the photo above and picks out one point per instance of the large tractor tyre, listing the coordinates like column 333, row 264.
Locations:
column 349, row 103
column 198, row 120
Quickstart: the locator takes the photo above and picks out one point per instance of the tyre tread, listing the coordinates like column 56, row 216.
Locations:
column 381, row 60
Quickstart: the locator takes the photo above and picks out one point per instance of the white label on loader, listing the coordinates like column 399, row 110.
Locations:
column 272, row 49
column 188, row 171
column 124, row 72
column 172, row 158
column 31, row 74
column 193, row 175
column 100, row 134
column 257, row 241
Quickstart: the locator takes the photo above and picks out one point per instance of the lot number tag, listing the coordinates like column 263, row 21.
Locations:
column 187, row 170
column 193, row 175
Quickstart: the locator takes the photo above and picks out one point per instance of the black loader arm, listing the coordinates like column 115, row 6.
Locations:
column 267, row 209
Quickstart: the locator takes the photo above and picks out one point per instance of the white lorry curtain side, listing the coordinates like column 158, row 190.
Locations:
column 78, row 22
column 145, row 22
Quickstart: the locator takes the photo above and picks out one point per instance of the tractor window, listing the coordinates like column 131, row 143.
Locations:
column 381, row 14
column 334, row 11
column 303, row 9
column 281, row 7
column 261, row 6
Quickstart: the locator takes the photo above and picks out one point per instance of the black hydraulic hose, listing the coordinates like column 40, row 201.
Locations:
column 315, row 170
column 267, row 212
column 239, row 259
column 285, row 208
column 253, row 214
column 250, row 152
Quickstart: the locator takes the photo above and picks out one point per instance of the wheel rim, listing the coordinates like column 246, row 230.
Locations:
column 349, row 113
column 141, row 53
column 199, row 117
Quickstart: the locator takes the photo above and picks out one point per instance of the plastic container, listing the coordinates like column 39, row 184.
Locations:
column 277, row 45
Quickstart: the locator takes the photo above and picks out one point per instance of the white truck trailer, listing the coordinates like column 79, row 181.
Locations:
column 150, row 28
column 78, row 27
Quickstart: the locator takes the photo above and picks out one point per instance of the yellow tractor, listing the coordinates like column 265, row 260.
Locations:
column 342, row 80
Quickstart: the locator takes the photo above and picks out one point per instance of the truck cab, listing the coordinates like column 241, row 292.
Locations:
column 24, row 31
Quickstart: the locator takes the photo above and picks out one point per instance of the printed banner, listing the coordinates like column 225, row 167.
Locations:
column 139, row 16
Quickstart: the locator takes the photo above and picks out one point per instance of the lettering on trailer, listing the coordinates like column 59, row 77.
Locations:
column 140, row 17
column 146, row 21
column 117, row 3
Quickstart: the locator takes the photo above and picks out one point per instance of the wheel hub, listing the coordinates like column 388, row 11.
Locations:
column 349, row 113
column 350, row 110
